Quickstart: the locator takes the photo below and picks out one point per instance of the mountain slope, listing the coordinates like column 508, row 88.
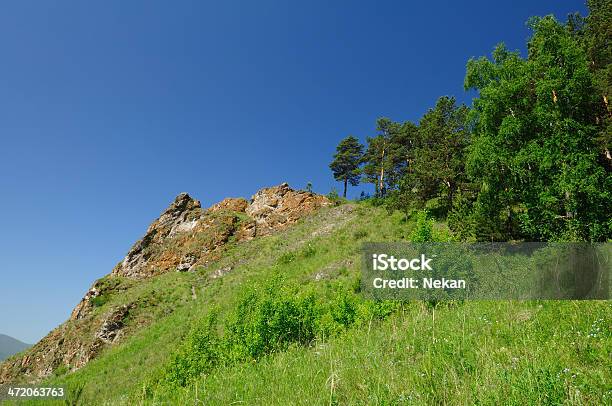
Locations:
column 10, row 346
column 418, row 353
column 184, row 238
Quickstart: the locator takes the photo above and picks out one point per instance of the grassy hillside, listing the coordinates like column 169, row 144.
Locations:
column 357, row 352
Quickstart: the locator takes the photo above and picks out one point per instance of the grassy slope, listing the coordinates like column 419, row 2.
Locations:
column 477, row 353
column 487, row 352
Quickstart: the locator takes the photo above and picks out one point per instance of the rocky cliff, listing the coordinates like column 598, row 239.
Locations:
column 184, row 238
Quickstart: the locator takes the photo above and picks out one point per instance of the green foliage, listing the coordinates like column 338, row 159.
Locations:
column 461, row 218
column 344, row 309
column 438, row 168
column 531, row 160
column 595, row 35
column 99, row 301
column 347, row 159
column 265, row 320
column 534, row 152
column 387, row 155
column 471, row 353
column 199, row 354
column 374, row 162
column 268, row 319
column 423, row 231
column 333, row 195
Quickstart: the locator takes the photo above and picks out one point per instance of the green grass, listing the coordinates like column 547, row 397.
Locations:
column 456, row 353
column 474, row 353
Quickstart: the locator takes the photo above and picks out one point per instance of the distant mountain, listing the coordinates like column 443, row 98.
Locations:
column 10, row 346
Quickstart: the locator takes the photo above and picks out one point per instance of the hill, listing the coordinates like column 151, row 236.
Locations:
column 184, row 238
column 10, row 346
column 273, row 316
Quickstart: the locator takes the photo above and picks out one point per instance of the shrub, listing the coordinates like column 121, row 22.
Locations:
column 423, row 231
column 266, row 319
column 269, row 319
column 199, row 353
column 99, row 301
column 333, row 195
column 344, row 309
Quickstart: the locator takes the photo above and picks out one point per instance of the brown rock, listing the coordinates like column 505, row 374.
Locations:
column 277, row 207
column 180, row 217
column 112, row 325
column 85, row 305
column 231, row 203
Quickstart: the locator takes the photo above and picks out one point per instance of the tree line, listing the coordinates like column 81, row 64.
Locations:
column 530, row 159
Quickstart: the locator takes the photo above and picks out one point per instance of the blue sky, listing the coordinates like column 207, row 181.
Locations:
column 110, row 109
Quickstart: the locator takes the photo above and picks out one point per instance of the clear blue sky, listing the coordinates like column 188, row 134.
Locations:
column 109, row 109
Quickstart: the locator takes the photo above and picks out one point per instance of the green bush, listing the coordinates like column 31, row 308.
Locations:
column 333, row 195
column 344, row 309
column 269, row 319
column 266, row 319
column 199, row 353
column 423, row 231
column 99, row 301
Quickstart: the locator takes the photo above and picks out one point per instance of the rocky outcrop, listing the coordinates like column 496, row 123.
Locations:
column 180, row 217
column 277, row 207
column 184, row 237
column 231, row 203
column 85, row 304
column 111, row 328
column 71, row 345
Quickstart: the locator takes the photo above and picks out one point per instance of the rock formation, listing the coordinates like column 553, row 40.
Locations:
column 198, row 235
column 276, row 207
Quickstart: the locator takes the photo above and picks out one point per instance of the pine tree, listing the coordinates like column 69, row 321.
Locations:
column 439, row 158
column 348, row 158
column 386, row 157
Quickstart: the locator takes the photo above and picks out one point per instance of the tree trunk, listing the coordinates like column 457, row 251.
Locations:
column 345, row 182
column 451, row 193
column 382, row 171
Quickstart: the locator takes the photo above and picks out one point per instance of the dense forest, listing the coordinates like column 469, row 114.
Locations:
column 529, row 160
